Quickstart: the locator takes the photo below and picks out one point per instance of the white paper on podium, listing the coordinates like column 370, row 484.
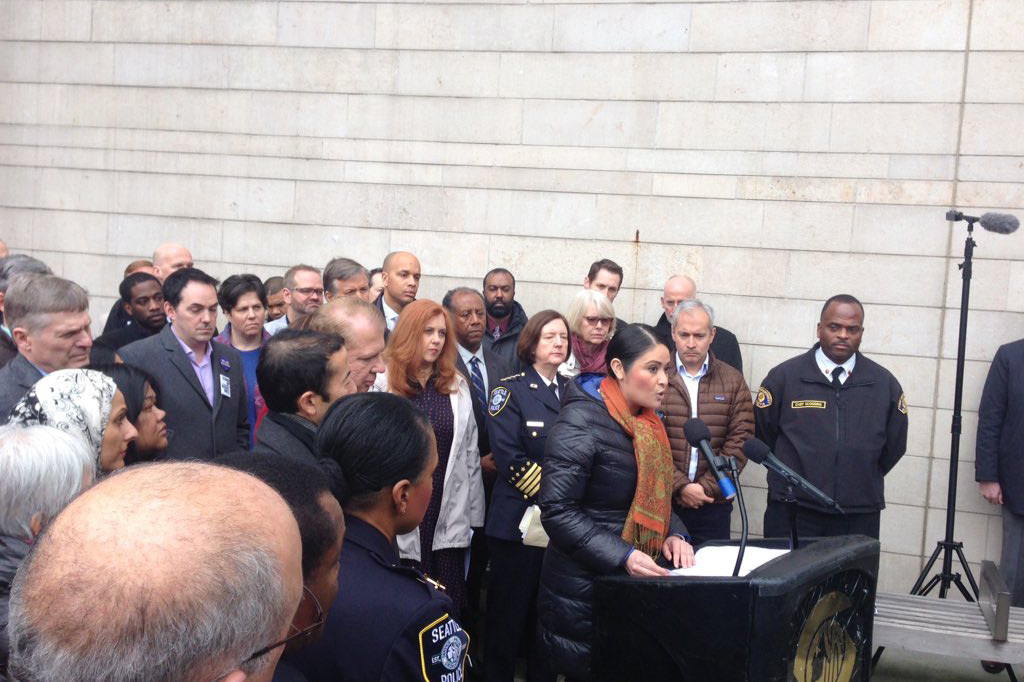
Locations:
column 720, row 560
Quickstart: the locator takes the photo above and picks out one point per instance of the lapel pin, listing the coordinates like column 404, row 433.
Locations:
column 225, row 365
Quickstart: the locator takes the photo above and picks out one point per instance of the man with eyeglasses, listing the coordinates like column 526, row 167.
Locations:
column 303, row 295
column 307, row 491
column 156, row 574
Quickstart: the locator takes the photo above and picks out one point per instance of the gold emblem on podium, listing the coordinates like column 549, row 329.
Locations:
column 825, row 652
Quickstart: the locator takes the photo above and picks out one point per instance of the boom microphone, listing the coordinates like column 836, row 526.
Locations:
column 1000, row 223
column 698, row 435
column 757, row 450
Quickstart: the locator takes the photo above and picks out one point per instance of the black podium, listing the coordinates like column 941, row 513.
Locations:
column 804, row 617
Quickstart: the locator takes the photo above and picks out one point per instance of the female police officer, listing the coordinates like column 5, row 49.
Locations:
column 521, row 410
column 388, row 622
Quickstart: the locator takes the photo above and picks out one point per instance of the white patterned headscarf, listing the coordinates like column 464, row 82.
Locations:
column 77, row 401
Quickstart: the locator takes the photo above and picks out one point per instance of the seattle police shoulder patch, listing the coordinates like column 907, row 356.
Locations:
column 764, row 397
column 443, row 649
column 902, row 404
column 499, row 396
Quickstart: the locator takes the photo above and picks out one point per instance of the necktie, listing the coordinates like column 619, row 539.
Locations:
column 554, row 388
column 837, row 373
column 478, row 381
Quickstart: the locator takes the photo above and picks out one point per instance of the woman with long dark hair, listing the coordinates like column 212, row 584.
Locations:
column 421, row 367
column 606, row 492
column 142, row 403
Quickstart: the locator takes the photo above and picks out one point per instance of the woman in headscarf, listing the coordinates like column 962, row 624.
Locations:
column 591, row 326
column 142, row 403
column 606, row 493
column 85, row 403
column 421, row 367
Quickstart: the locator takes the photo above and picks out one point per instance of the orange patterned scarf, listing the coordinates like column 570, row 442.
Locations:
column 647, row 523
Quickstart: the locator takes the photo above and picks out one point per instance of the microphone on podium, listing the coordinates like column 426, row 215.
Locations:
column 698, row 435
column 757, row 450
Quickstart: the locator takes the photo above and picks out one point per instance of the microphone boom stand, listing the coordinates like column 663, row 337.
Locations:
column 734, row 473
column 948, row 545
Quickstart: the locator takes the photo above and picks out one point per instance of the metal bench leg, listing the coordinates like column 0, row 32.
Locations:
column 1009, row 671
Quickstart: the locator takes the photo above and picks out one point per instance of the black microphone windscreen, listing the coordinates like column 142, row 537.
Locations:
column 696, row 431
column 756, row 450
column 1000, row 223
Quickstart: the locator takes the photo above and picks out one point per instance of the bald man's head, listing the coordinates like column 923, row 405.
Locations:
column 678, row 288
column 401, row 277
column 169, row 258
column 159, row 573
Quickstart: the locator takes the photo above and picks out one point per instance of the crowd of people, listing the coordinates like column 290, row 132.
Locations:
column 348, row 482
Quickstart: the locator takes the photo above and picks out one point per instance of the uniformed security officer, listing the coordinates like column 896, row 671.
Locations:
column 838, row 419
column 389, row 622
column 521, row 410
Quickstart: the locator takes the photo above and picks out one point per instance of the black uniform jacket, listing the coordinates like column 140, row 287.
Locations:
column 843, row 441
column 388, row 623
column 520, row 414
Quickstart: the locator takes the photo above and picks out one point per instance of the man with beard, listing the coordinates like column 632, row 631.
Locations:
column 145, row 308
column 401, row 277
column 505, row 317
column 200, row 381
column 839, row 420
column 303, row 294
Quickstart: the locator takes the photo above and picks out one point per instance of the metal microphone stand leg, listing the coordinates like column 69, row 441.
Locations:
column 734, row 473
column 790, row 501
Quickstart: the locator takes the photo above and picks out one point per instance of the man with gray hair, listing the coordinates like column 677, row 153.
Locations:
column 41, row 470
column 361, row 325
column 50, row 323
column 345, row 277
column 702, row 386
column 115, row 591
column 11, row 267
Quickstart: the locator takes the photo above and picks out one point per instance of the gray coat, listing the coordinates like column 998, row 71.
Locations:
column 16, row 377
column 200, row 430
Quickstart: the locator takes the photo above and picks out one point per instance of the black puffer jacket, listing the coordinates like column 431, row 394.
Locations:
column 586, row 490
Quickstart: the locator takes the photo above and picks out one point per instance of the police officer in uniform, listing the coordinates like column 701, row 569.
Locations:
column 838, row 419
column 389, row 622
column 521, row 410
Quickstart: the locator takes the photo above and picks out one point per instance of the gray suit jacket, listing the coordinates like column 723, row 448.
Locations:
column 201, row 430
column 16, row 377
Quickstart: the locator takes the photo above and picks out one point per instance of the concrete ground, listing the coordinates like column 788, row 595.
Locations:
column 898, row 665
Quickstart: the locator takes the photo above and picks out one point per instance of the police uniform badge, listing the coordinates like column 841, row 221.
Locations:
column 499, row 396
column 443, row 649
column 764, row 398
column 902, row 404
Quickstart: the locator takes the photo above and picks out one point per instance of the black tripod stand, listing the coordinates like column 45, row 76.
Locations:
column 948, row 545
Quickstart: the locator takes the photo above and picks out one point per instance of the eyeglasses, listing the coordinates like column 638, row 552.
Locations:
column 309, row 291
column 597, row 321
column 298, row 634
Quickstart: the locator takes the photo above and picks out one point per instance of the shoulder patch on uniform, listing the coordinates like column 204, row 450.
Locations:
column 764, row 397
column 443, row 649
column 499, row 397
column 902, row 404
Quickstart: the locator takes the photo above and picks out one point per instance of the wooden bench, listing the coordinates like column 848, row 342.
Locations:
column 987, row 630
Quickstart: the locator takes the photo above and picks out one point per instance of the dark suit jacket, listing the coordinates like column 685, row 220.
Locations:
column 201, row 430
column 16, row 377
column 724, row 346
column 998, row 455
column 497, row 369
column 379, row 302
column 274, row 439
column 8, row 349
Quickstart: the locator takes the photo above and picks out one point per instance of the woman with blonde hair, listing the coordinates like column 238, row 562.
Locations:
column 591, row 319
column 421, row 367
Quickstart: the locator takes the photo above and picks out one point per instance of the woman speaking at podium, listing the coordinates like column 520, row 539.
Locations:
column 606, row 492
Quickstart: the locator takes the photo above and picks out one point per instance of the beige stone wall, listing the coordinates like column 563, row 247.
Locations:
column 778, row 151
